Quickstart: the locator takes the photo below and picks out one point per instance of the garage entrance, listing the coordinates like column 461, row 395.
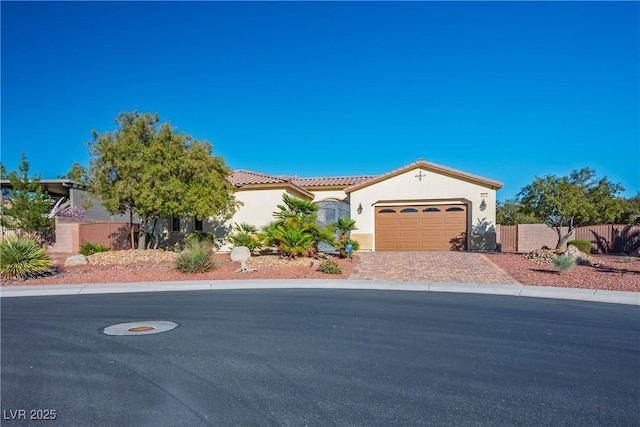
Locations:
column 421, row 228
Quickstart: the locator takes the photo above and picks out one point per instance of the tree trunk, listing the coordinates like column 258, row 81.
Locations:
column 562, row 240
column 131, row 235
column 142, row 233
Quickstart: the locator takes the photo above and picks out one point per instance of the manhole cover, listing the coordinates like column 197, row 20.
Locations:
column 140, row 328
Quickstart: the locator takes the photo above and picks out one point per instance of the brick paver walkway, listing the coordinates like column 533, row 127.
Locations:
column 458, row 267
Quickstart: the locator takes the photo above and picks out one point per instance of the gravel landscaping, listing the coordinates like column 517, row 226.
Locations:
column 611, row 273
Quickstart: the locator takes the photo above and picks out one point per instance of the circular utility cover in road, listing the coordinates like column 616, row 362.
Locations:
column 140, row 328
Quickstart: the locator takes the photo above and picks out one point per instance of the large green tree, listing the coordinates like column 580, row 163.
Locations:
column 147, row 168
column 564, row 203
column 510, row 212
column 25, row 206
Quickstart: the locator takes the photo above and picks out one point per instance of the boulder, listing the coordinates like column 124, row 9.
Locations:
column 580, row 257
column 241, row 254
column 76, row 260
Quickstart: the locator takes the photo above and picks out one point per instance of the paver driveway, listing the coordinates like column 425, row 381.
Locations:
column 458, row 267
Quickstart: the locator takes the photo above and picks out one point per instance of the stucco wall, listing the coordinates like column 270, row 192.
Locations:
column 319, row 195
column 432, row 188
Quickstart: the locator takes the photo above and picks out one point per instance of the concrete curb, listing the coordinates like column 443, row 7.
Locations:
column 615, row 297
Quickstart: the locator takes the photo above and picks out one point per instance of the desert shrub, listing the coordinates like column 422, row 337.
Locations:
column 92, row 248
column 341, row 245
column 196, row 257
column 246, row 235
column 199, row 236
column 23, row 257
column 564, row 263
column 582, row 245
column 329, row 267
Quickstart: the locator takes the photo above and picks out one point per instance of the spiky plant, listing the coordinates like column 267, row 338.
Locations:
column 23, row 257
column 564, row 263
column 196, row 257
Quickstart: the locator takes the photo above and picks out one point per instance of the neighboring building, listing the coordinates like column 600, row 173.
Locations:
column 69, row 193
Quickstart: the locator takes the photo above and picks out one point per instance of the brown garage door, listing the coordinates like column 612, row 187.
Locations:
column 421, row 228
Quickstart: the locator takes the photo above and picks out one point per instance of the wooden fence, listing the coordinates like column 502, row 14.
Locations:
column 604, row 238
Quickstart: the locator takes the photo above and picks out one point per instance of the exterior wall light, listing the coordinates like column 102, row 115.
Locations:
column 359, row 210
column 483, row 205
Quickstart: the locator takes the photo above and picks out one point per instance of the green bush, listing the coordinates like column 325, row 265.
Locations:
column 329, row 267
column 582, row 245
column 196, row 257
column 564, row 263
column 92, row 248
column 341, row 245
column 246, row 235
column 23, row 257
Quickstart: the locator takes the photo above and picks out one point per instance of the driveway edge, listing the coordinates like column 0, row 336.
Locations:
column 614, row 297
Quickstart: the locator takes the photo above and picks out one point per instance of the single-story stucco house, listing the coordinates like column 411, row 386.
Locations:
column 422, row 206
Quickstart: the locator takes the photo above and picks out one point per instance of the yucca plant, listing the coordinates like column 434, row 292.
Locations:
column 196, row 257
column 22, row 258
column 564, row 263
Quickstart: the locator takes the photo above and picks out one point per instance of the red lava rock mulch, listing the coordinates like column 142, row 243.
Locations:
column 617, row 273
column 160, row 269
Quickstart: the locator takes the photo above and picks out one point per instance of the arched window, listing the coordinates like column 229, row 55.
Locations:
column 431, row 210
column 408, row 210
column 455, row 209
column 387, row 210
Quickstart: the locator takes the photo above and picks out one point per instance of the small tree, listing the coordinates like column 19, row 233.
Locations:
column 510, row 212
column 26, row 206
column 571, row 201
column 149, row 169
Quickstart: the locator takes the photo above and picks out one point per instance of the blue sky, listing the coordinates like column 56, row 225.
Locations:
column 505, row 90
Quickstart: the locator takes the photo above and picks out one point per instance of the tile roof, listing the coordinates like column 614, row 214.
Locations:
column 240, row 178
column 243, row 177
column 331, row 181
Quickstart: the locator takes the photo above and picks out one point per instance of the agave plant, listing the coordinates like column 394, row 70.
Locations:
column 23, row 257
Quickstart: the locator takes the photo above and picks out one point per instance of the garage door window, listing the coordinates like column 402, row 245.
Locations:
column 431, row 210
column 406, row 210
column 387, row 211
column 455, row 210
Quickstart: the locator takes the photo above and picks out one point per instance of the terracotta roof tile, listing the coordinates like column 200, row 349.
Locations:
column 330, row 181
column 243, row 177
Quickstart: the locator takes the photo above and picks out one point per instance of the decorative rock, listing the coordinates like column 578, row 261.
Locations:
column 241, row 254
column 580, row 257
column 76, row 260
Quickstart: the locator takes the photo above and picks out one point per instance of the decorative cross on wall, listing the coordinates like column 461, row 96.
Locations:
column 420, row 176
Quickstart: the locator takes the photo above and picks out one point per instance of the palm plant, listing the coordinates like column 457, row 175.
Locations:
column 246, row 235
column 293, row 242
column 343, row 226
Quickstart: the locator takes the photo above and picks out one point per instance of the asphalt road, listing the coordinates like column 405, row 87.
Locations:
column 321, row 358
